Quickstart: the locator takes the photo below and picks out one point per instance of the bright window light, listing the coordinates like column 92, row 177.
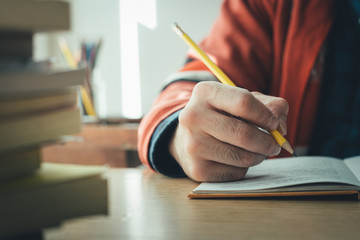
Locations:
column 133, row 12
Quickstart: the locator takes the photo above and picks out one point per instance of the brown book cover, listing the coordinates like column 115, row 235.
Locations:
column 34, row 15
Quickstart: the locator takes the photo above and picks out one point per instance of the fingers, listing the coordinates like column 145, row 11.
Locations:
column 278, row 106
column 218, row 139
column 239, row 133
column 238, row 102
column 209, row 148
column 204, row 158
column 209, row 171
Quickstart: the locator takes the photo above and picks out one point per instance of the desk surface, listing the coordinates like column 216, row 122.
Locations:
column 146, row 205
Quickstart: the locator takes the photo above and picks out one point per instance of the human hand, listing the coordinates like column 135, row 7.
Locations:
column 218, row 139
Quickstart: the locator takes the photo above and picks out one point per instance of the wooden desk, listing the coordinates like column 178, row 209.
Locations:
column 146, row 205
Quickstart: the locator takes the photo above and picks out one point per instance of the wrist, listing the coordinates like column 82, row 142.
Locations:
column 160, row 158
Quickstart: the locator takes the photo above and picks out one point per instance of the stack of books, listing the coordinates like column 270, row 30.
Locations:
column 39, row 106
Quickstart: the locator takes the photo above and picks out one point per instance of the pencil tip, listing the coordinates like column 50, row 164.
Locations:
column 177, row 29
column 294, row 154
column 288, row 148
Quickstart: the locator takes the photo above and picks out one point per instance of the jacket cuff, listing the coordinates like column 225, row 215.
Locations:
column 159, row 157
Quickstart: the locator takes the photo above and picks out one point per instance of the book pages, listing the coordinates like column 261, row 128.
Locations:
column 285, row 172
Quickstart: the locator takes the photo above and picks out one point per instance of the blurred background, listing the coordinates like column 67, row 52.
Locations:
column 137, row 48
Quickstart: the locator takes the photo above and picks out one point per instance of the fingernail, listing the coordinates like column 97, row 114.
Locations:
column 273, row 123
column 276, row 150
column 283, row 125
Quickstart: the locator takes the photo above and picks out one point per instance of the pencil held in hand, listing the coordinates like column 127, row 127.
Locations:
column 282, row 142
column 224, row 79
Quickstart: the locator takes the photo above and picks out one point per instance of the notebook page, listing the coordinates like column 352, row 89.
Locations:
column 287, row 172
column 354, row 165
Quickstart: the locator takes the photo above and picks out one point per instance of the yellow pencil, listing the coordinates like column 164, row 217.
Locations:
column 72, row 64
column 225, row 80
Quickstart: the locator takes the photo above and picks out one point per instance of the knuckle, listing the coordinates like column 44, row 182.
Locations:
column 242, row 134
column 248, row 159
column 197, row 173
column 244, row 100
column 264, row 119
column 198, row 89
column 228, row 153
column 283, row 103
column 279, row 105
column 202, row 88
column 187, row 117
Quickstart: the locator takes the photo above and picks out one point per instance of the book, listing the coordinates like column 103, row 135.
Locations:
column 38, row 128
column 56, row 192
column 16, row 45
column 24, row 104
column 19, row 163
column 34, row 15
column 16, row 82
column 8, row 65
column 301, row 176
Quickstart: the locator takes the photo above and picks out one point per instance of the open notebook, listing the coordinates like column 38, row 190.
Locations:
column 301, row 176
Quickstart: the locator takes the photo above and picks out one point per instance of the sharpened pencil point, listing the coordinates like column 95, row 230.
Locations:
column 178, row 29
column 288, row 148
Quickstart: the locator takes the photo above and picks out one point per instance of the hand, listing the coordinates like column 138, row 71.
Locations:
column 218, row 139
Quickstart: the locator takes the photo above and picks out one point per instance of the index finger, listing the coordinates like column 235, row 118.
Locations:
column 241, row 103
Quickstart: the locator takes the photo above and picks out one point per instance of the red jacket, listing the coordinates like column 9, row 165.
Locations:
column 262, row 45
